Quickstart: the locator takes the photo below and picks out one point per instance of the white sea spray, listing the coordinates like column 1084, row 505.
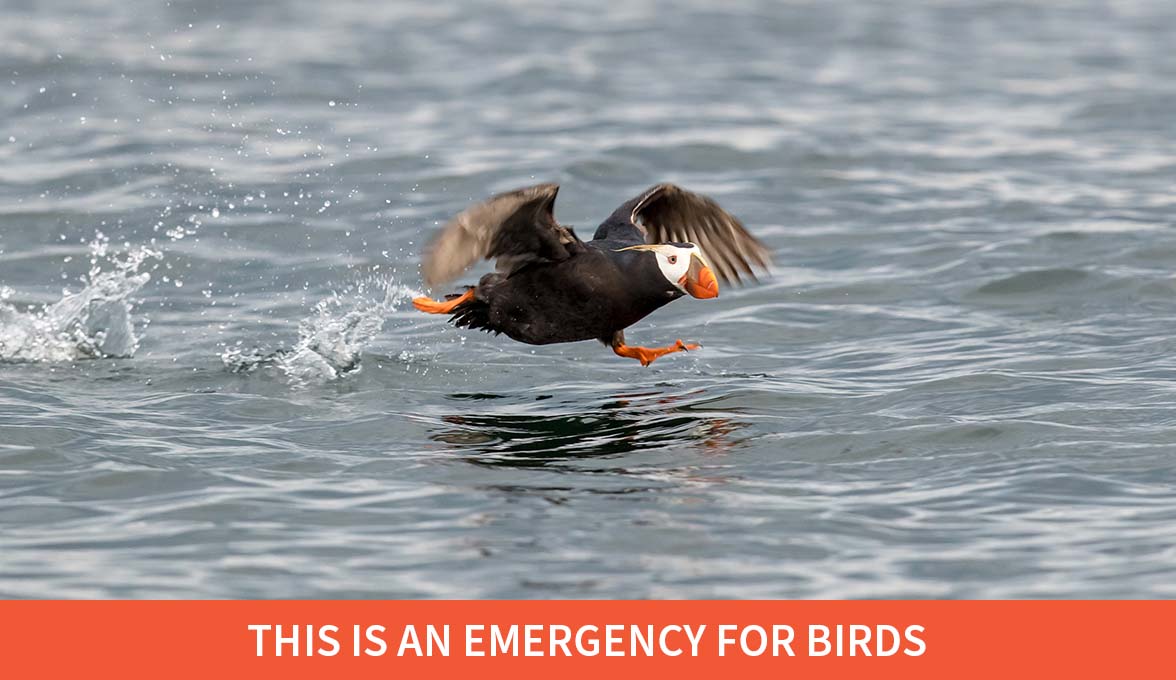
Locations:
column 93, row 322
column 332, row 338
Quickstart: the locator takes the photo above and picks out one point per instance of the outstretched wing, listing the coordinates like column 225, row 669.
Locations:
column 667, row 213
column 515, row 228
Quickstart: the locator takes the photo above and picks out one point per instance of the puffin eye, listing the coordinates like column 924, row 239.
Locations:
column 673, row 259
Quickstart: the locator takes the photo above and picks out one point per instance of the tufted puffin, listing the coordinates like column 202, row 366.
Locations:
column 549, row 286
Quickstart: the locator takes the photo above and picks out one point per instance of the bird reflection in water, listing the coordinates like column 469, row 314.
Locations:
column 625, row 423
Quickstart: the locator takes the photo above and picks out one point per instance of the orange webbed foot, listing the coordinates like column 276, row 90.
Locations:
column 647, row 355
column 430, row 306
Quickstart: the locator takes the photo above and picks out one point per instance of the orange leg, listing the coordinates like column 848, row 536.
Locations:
column 646, row 355
column 433, row 307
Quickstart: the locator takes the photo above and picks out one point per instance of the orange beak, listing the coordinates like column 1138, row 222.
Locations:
column 699, row 280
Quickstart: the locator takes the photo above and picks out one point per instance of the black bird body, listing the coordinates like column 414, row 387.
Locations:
column 550, row 287
column 596, row 292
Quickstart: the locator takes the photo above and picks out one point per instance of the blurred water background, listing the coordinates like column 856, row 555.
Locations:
column 960, row 382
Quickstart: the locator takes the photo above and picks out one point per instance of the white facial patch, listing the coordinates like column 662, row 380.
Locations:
column 674, row 262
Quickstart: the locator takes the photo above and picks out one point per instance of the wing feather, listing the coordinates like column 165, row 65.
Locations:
column 513, row 228
column 669, row 213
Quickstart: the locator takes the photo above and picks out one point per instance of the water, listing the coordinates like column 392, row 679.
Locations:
column 960, row 381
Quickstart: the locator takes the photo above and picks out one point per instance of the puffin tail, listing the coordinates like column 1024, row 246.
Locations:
column 473, row 313
column 467, row 310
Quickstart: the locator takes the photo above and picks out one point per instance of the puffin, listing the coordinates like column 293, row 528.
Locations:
column 549, row 286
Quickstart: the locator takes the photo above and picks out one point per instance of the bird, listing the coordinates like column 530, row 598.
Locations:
column 549, row 286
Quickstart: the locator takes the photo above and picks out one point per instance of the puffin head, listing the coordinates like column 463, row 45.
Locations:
column 683, row 266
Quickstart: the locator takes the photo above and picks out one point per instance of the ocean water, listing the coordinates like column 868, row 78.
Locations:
column 959, row 382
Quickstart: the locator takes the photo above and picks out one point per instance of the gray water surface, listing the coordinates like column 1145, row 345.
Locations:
column 959, row 382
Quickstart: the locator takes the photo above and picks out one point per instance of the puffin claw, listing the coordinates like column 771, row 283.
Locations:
column 430, row 306
column 646, row 355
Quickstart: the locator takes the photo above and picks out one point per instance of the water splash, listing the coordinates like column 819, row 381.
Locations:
column 93, row 323
column 332, row 338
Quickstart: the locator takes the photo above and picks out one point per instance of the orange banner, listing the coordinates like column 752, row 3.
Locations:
column 313, row 639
